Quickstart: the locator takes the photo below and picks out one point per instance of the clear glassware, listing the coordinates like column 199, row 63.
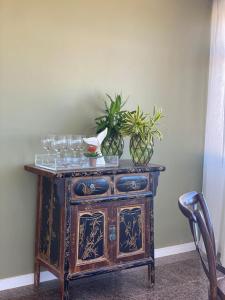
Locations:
column 55, row 162
column 60, row 144
column 75, row 143
column 47, row 142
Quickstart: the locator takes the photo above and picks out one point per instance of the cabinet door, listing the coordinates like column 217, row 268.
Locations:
column 133, row 230
column 90, row 247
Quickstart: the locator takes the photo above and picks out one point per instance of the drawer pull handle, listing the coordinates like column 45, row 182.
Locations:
column 112, row 232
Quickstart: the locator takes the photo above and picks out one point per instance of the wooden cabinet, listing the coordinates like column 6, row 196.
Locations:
column 94, row 221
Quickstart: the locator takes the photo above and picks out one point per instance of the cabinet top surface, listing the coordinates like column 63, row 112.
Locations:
column 125, row 166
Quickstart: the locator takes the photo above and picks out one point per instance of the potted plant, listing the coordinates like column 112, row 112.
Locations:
column 92, row 154
column 142, row 129
column 113, row 119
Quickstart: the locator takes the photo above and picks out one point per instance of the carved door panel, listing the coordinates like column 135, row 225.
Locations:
column 90, row 247
column 111, row 233
column 133, row 231
column 50, row 221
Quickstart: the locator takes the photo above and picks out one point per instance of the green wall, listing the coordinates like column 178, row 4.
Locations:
column 58, row 58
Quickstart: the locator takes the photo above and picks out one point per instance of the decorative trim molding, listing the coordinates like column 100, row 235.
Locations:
column 172, row 250
column 28, row 279
column 23, row 280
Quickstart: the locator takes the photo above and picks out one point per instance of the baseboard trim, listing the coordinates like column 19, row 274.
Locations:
column 172, row 250
column 23, row 280
column 28, row 279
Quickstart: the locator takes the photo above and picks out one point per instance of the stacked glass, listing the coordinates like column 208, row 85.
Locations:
column 66, row 152
column 64, row 145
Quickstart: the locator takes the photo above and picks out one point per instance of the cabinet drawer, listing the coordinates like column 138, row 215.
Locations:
column 91, row 187
column 131, row 183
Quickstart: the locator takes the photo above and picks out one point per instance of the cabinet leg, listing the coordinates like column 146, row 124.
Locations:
column 64, row 289
column 36, row 274
column 151, row 275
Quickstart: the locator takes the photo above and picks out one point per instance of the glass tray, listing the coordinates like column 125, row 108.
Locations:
column 56, row 163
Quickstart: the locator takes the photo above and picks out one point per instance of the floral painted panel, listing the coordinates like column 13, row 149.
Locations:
column 45, row 217
column 132, row 183
column 91, row 236
column 87, row 187
column 55, row 224
column 130, row 231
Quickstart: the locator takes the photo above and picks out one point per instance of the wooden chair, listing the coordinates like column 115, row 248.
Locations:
column 194, row 207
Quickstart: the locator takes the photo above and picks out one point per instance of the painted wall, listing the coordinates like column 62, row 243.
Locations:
column 58, row 58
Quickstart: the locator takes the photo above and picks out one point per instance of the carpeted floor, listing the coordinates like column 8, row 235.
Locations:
column 177, row 277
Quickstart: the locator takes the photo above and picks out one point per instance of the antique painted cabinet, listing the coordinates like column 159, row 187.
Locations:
column 94, row 221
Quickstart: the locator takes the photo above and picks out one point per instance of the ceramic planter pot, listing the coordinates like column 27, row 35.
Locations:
column 92, row 161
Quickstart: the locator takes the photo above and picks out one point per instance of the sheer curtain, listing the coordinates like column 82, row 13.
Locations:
column 214, row 157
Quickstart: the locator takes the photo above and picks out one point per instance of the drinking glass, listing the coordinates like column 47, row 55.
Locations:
column 75, row 143
column 47, row 142
column 60, row 144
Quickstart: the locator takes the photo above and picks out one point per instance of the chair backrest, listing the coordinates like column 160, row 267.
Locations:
column 194, row 207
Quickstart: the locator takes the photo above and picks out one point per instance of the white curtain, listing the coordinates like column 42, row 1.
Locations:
column 214, row 157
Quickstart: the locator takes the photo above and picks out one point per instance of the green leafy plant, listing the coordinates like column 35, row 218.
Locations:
column 113, row 118
column 142, row 129
column 144, row 125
